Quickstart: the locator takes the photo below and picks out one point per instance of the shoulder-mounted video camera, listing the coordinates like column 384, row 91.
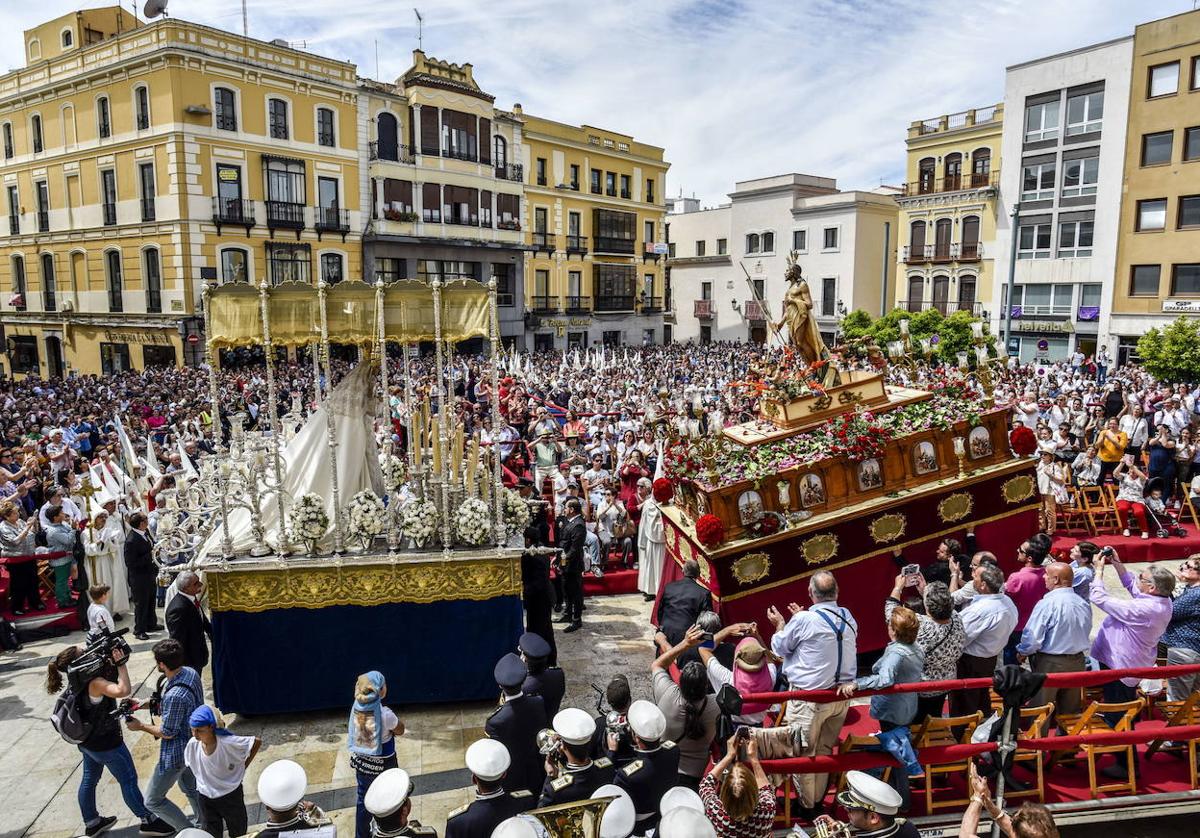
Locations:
column 98, row 658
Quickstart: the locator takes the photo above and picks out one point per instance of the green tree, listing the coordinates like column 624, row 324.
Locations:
column 953, row 332
column 856, row 324
column 1173, row 352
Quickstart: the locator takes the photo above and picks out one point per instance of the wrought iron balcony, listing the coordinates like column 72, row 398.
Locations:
column 331, row 219
column 514, row 172
column 948, row 252
column 579, row 305
column 576, row 244
column 544, row 241
column 651, row 305
column 953, row 183
column 610, row 244
column 233, row 211
column 754, row 311
column 459, row 154
column 110, row 214
column 541, row 304
column 702, row 309
column 397, row 152
column 285, row 214
column 148, row 213
column 43, row 221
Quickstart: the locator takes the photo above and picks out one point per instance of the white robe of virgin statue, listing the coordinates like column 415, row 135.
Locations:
column 106, row 563
column 306, row 465
column 652, row 548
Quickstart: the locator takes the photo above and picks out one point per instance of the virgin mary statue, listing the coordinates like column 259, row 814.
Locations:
column 306, row 464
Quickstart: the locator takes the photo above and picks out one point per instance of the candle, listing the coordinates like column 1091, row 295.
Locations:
column 904, row 327
column 962, row 361
column 456, row 462
column 959, row 449
column 977, row 329
column 981, row 354
column 472, row 461
column 437, row 449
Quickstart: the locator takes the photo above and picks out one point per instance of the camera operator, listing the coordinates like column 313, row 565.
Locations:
column 182, row 693
column 104, row 747
column 612, row 739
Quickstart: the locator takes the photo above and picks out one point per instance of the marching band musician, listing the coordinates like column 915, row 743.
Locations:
column 655, row 768
column 547, row 681
column 281, row 788
column 488, row 761
column 871, row 806
column 388, row 802
column 580, row 775
column 515, row 724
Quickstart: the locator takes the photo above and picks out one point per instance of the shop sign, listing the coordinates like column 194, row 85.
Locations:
column 1043, row 327
column 560, row 325
column 136, row 337
column 1181, row 306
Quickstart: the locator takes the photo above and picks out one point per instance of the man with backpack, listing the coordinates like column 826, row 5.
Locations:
column 182, row 693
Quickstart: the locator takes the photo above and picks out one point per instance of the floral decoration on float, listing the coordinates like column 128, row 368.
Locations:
column 310, row 521
column 709, row 530
column 367, row 517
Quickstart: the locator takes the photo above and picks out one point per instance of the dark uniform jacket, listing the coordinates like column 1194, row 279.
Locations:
column 571, row 540
column 682, row 602
column 647, row 779
column 481, row 816
column 551, row 685
column 412, row 829
column 187, row 624
column 515, row 724
column 577, row 783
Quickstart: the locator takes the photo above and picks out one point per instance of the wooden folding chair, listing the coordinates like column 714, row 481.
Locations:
column 1177, row 714
column 854, row 743
column 1067, row 514
column 1101, row 514
column 1032, row 723
column 1187, row 509
column 955, row 730
column 1092, row 721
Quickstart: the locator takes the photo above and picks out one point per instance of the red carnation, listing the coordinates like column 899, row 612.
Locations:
column 709, row 530
column 1022, row 441
column 663, row 489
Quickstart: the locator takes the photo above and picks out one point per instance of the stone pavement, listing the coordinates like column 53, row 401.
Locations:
column 39, row 773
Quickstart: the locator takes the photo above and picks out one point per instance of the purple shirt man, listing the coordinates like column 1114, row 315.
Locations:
column 1129, row 635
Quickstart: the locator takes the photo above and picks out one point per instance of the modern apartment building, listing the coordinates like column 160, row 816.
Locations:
column 1158, row 245
column 594, row 229
column 141, row 160
column 729, row 261
column 1060, row 193
column 948, row 212
column 445, row 184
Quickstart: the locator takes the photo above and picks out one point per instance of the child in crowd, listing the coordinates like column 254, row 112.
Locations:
column 219, row 759
column 97, row 614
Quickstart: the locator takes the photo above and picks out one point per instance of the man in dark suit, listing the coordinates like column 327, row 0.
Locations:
column 187, row 623
column 682, row 602
column 515, row 724
column 142, row 572
column 571, row 542
column 537, row 594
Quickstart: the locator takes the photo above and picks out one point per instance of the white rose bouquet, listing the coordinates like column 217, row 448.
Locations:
column 473, row 522
column 393, row 469
column 419, row 521
column 515, row 511
column 367, row 517
column 309, row 520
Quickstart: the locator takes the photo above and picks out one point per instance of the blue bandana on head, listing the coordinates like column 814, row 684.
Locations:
column 203, row 716
column 363, row 739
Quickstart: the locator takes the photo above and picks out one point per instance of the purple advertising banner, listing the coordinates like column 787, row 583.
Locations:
column 1089, row 312
column 1016, row 312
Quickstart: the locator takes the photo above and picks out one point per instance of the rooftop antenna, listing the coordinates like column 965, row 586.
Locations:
column 155, row 8
column 420, row 29
column 245, row 25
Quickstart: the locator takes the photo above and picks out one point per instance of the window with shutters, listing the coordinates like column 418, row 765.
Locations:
column 460, row 205
column 325, row 134
column 429, row 131
column 277, row 114
column 397, row 198
column 152, row 274
column 458, row 135
column 431, row 203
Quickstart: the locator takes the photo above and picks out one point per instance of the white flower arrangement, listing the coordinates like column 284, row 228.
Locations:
column 515, row 512
column 309, row 519
column 419, row 521
column 394, row 471
column 367, row 517
column 473, row 522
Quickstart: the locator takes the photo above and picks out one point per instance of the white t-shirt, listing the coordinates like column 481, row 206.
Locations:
column 98, row 617
column 218, row 773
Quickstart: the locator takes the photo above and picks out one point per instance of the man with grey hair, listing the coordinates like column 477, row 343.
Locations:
column 819, row 650
column 187, row 622
column 987, row 621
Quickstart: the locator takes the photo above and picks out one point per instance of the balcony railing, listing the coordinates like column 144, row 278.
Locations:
column 394, row 151
column 943, row 307
column 148, row 209
column 953, row 183
column 576, row 244
column 541, row 304
column 110, row 214
column 332, row 218
column 233, row 211
column 651, row 305
column 610, row 304
column 579, row 305
column 14, row 224
column 702, row 309
column 513, row 171
column 459, row 154
column 285, row 214
column 754, row 311
column 43, row 221
column 544, row 241
column 950, row 252
column 609, row 244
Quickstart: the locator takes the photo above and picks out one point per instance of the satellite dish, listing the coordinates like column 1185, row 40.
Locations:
column 154, row 8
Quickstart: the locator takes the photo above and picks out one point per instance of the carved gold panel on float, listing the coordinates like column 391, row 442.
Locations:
column 955, row 507
column 1018, row 488
column 751, row 567
column 375, row 584
column 887, row 528
column 685, row 550
column 705, row 570
column 819, row 548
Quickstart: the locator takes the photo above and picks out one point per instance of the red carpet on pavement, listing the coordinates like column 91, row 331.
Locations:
column 611, row 583
column 1135, row 548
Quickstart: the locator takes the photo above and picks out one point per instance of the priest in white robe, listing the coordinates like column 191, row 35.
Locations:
column 652, row 544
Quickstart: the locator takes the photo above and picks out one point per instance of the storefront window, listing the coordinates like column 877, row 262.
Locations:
column 158, row 356
column 114, row 358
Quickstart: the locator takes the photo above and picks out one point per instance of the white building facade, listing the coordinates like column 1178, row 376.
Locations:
column 1063, row 150
column 726, row 259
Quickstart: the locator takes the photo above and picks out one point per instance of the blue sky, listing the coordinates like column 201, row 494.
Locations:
column 733, row 89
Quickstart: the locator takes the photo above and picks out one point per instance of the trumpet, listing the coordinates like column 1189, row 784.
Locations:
column 831, row 829
column 549, row 745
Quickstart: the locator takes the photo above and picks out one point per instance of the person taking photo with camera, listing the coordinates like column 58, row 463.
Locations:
column 98, row 689
column 181, row 693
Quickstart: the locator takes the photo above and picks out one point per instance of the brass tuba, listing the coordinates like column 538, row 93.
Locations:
column 580, row 819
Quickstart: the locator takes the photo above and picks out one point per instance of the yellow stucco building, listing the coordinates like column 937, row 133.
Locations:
column 1158, row 247
column 142, row 160
column 948, row 212
column 594, row 219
